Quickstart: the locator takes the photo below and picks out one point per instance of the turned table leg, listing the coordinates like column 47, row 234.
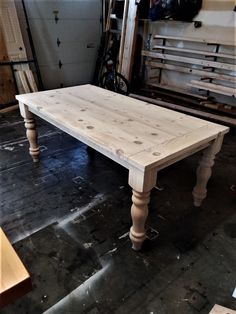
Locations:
column 31, row 132
column 139, row 213
column 204, row 170
column 142, row 183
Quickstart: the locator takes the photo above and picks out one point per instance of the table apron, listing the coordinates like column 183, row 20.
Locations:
column 85, row 140
column 125, row 163
column 184, row 155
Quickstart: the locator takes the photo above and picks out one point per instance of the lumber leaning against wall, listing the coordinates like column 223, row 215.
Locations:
column 130, row 40
column 14, row 44
column 7, row 88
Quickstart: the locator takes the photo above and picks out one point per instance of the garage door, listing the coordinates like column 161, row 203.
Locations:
column 66, row 36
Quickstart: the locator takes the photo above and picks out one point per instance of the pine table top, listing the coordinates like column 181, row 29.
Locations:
column 127, row 130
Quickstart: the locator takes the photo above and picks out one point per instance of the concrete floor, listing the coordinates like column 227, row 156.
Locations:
column 69, row 218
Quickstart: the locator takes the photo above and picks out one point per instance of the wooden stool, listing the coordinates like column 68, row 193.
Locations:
column 14, row 279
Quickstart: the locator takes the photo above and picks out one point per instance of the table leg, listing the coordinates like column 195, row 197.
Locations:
column 31, row 132
column 142, row 183
column 204, row 170
column 139, row 213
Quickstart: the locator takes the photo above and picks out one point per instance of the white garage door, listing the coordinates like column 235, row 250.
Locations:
column 66, row 35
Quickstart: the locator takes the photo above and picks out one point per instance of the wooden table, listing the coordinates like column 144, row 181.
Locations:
column 140, row 136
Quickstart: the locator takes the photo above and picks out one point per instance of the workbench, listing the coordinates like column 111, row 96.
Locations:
column 142, row 137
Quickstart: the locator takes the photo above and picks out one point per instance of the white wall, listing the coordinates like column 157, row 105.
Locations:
column 78, row 30
column 218, row 24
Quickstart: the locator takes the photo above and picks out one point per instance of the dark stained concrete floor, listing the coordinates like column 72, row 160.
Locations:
column 69, row 218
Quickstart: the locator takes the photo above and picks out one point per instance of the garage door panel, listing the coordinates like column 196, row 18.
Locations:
column 67, row 53
column 73, row 40
column 67, row 9
column 66, row 30
column 76, row 74
column 68, row 75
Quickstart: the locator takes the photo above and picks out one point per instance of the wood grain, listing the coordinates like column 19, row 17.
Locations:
column 191, row 39
column 130, row 41
column 15, row 280
column 218, row 309
column 131, row 132
column 138, row 135
column 216, row 88
column 192, row 51
column 202, row 62
column 182, row 69
column 123, row 34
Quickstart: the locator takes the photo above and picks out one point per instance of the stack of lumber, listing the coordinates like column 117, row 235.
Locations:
column 210, row 66
column 196, row 62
